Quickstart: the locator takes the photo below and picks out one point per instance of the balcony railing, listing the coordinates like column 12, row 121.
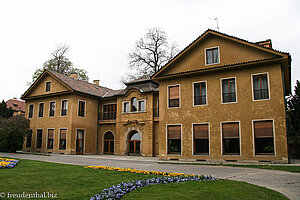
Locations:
column 155, row 112
column 261, row 94
column 229, row 97
column 108, row 116
column 173, row 103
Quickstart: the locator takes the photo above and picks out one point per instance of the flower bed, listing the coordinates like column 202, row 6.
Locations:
column 119, row 190
column 139, row 171
column 7, row 163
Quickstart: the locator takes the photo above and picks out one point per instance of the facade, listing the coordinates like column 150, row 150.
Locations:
column 220, row 99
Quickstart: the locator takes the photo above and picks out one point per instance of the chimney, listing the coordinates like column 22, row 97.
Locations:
column 267, row 43
column 74, row 75
column 15, row 98
column 96, row 82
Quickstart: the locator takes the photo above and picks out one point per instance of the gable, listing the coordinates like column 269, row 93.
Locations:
column 231, row 51
column 39, row 87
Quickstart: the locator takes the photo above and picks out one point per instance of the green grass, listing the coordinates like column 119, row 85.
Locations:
column 76, row 182
column 223, row 189
column 295, row 169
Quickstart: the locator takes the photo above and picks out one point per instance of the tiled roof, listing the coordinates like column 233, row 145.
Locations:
column 16, row 105
column 142, row 85
column 80, row 86
column 210, row 30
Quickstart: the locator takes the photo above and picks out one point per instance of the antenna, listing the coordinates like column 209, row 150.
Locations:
column 216, row 19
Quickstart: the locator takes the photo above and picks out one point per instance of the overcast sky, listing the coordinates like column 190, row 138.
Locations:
column 102, row 33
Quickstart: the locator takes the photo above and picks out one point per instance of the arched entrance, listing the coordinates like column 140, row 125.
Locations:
column 134, row 143
column 109, row 143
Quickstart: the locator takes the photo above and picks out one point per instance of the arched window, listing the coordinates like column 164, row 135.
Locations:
column 108, row 143
column 133, row 104
column 134, row 143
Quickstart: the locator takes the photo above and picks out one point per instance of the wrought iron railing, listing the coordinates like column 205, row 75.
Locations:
column 261, row 94
column 229, row 97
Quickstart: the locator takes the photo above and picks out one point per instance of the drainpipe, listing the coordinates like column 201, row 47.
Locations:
column 286, row 117
column 97, row 142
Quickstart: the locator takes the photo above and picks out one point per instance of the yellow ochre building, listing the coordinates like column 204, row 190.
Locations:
column 220, row 99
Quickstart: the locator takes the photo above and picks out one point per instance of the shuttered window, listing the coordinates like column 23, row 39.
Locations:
column 264, row 137
column 174, row 139
column 230, row 138
column 173, row 96
column 201, row 139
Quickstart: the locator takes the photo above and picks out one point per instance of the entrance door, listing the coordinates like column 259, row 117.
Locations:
column 134, row 143
column 80, row 141
column 109, row 143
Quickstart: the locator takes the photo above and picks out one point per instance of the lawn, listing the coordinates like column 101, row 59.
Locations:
column 77, row 182
column 295, row 169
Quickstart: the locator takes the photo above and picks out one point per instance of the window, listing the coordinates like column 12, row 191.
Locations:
column 263, row 137
column 41, row 109
column 48, row 86
column 50, row 139
column 30, row 112
column 62, row 139
column 141, row 105
column 39, row 138
column 200, row 93
column 212, row 55
column 109, row 111
column 133, row 104
column 201, row 139
column 173, row 99
column 81, row 108
column 260, row 87
column 52, row 109
column 230, row 137
column 126, row 107
column 174, row 139
column 109, row 143
column 29, row 139
column 228, row 90
column 64, row 107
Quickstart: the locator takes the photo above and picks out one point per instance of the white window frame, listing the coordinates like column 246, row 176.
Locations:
column 202, row 123
column 84, row 139
column 138, row 106
column 84, row 108
column 48, row 137
column 252, row 86
column 32, row 110
column 66, row 139
column 39, row 109
column 50, row 108
column 123, row 107
column 179, row 96
column 36, row 138
column 240, row 138
column 205, row 50
column 236, row 92
column 253, row 137
column 181, row 143
column 61, row 106
column 193, row 92
column 46, row 86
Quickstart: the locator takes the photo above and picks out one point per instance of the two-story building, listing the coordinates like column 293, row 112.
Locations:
column 220, row 99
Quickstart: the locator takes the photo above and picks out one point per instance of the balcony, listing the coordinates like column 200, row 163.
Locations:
column 109, row 117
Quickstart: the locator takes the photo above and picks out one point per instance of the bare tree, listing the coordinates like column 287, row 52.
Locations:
column 151, row 52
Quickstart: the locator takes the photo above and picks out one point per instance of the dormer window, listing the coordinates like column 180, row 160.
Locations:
column 48, row 86
column 212, row 55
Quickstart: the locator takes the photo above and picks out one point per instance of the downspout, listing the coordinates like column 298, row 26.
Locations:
column 286, row 117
